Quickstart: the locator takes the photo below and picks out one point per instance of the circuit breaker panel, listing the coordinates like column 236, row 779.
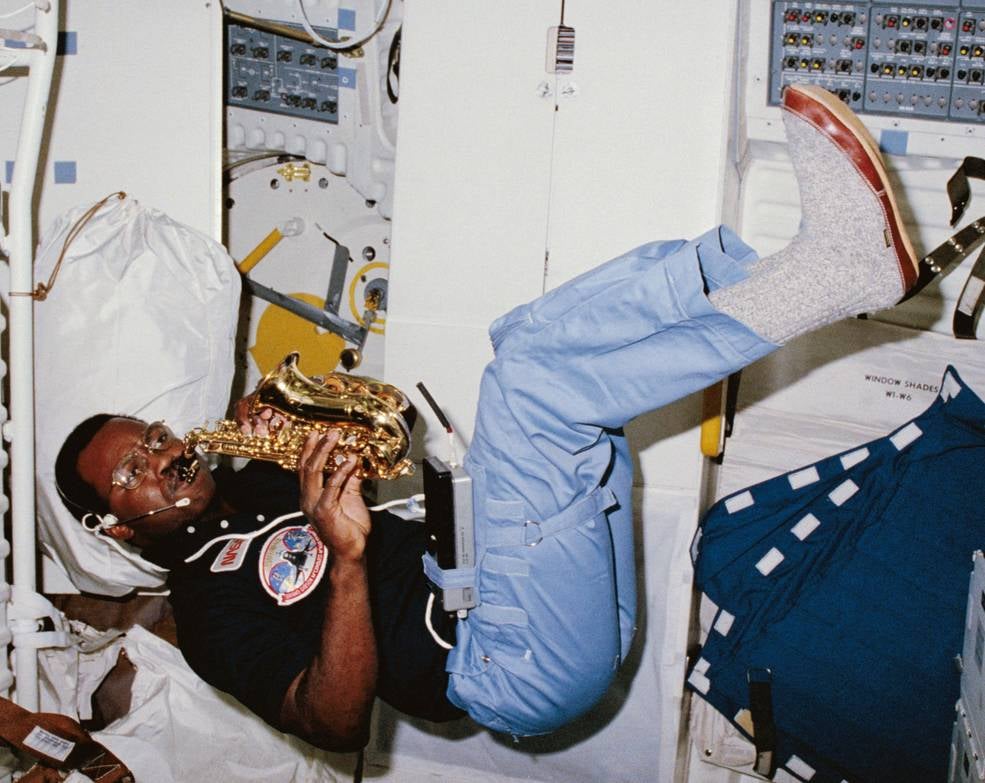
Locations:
column 923, row 60
column 269, row 72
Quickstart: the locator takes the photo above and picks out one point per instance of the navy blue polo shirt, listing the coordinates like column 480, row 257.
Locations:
column 249, row 612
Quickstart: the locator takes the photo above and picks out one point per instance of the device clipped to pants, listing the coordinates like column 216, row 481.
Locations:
column 450, row 559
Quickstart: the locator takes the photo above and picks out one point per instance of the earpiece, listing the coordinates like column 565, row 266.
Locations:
column 93, row 522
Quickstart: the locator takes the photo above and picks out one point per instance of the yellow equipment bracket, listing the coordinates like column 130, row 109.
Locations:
column 257, row 254
column 713, row 420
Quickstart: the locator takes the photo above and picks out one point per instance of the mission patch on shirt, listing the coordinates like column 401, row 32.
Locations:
column 292, row 563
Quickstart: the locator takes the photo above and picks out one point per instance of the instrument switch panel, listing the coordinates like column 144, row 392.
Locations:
column 925, row 60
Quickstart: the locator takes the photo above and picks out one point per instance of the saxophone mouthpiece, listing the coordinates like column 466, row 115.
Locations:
column 187, row 467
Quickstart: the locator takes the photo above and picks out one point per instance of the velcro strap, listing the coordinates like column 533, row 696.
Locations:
column 501, row 615
column 27, row 608
column 532, row 532
column 30, row 605
column 42, row 639
column 447, row 578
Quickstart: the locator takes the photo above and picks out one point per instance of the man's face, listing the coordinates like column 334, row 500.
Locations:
column 121, row 443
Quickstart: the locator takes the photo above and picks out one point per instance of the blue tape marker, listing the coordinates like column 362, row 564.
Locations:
column 347, row 78
column 893, row 142
column 347, row 19
column 12, row 43
column 65, row 172
column 68, row 42
column 9, row 171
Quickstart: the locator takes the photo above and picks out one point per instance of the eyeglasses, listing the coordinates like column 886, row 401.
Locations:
column 134, row 467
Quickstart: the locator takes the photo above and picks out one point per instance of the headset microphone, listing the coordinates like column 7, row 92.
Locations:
column 110, row 520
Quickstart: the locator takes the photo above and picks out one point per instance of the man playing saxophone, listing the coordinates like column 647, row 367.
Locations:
column 304, row 655
column 551, row 470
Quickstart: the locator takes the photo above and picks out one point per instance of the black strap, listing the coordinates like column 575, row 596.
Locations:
column 958, row 190
column 764, row 729
column 943, row 258
column 357, row 773
column 959, row 245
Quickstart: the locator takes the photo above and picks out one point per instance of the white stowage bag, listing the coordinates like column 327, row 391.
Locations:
column 181, row 729
column 141, row 320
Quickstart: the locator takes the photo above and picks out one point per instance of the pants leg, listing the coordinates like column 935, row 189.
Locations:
column 552, row 475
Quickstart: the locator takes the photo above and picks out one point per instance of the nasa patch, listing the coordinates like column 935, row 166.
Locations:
column 292, row 563
column 231, row 556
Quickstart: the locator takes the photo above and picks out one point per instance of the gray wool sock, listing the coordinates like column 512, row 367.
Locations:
column 837, row 266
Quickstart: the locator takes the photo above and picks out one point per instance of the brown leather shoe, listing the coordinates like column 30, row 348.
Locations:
column 826, row 112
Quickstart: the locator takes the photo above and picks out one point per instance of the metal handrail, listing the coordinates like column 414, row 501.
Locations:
column 19, row 430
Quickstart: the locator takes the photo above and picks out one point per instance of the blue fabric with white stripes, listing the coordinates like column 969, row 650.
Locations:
column 860, row 616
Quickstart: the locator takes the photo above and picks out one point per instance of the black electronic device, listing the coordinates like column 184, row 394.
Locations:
column 448, row 524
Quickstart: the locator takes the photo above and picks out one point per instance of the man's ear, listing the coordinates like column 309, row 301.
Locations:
column 119, row 532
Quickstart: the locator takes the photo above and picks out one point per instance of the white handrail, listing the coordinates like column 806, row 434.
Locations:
column 19, row 431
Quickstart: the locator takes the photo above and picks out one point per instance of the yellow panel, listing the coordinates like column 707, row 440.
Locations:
column 279, row 332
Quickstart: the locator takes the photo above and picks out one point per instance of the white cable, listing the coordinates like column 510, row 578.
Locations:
column 347, row 44
column 243, row 536
column 427, row 622
column 452, row 451
column 413, row 500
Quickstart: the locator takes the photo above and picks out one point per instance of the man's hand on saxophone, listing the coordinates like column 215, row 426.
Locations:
column 263, row 422
column 333, row 502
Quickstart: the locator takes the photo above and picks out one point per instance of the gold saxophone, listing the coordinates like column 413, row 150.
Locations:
column 368, row 413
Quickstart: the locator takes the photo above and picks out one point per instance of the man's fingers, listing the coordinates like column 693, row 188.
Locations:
column 261, row 423
column 342, row 474
column 314, row 456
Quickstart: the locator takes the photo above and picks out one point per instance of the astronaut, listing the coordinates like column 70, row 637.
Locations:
column 551, row 473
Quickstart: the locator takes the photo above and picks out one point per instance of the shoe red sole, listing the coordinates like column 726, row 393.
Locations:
column 826, row 112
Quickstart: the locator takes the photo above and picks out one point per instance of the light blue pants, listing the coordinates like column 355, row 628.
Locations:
column 553, row 477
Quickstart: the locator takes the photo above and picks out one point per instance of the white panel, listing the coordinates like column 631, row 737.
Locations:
column 471, row 194
column 640, row 148
column 835, row 390
column 136, row 109
column 473, row 161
